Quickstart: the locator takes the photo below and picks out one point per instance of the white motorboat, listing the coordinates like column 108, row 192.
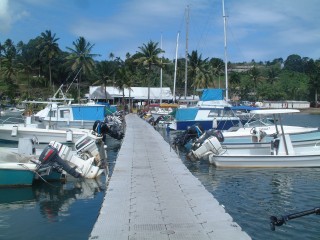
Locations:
column 281, row 151
column 14, row 131
column 62, row 116
column 62, row 113
column 262, row 127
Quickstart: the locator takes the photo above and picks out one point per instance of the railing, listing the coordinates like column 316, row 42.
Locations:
column 11, row 120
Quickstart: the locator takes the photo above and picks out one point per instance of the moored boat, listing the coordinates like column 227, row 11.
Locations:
column 281, row 151
column 16, row 174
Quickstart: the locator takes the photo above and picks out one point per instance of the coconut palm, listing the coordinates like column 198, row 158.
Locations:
column 49, row 49
column 9, row 60
column 198, row 70
column 106, row 71
column 81, row 58
column 148, row 56
column 124, row 80
column 255, row 76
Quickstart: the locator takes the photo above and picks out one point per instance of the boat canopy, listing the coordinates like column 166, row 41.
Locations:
column 90, row 113
column 244, row 108
column 274, row 111
column 186, row 114
column 212, row 94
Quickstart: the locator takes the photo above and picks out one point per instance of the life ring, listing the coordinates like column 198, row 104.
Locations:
column 285, row 105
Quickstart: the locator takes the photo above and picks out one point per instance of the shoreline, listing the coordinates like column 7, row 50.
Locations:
column 310, row 110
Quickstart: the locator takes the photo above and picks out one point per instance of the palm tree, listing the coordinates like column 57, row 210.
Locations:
column 273, row 73
column 198, row 70
column 124, row 80
column 9, row 65
column 49, row 49
column 216, row 68
column 9, row 59
column 1, row 50
column 25, row 63
column 81, row 58
column 105, row 71
column 148, row 56
column 254, row 74
column 111, row 56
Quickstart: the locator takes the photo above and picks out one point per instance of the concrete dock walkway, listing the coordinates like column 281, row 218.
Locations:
column 152, row 195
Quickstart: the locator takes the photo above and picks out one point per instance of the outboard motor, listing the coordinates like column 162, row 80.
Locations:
column 192, row 132
column 209, row 133
column 50, row 157
column 160, row 118
column 115, row 132
column 91, row 146
column 150, row 120
column 102, row 129
column 210, row 146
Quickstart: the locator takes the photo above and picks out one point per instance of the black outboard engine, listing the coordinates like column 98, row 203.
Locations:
column 114, row 131
column 99, row 127
column 50, row 157
column 151, row 120
column 160, row 118
column 192, row 132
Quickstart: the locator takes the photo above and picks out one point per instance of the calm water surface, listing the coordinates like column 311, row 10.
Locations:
column 250, row 196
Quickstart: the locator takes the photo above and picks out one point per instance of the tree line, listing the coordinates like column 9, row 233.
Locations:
column 36, row 69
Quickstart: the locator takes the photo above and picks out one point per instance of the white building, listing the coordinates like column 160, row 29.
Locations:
column 137, row 94
column 286, row 104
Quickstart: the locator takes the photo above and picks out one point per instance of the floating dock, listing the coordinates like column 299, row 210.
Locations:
column 152, row 195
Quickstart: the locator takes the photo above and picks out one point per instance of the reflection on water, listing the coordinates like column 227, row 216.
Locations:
column 55, row 203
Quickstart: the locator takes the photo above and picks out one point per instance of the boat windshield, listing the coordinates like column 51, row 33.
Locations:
column 259, row 123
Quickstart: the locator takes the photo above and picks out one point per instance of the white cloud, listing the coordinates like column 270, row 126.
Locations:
column 10, row 12
column 5, row 18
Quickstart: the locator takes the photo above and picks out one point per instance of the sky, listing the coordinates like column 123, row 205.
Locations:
column 260, row 30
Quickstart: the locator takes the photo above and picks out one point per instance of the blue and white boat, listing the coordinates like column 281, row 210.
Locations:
column 62, row 116
column 62, row 113
column 210, row 112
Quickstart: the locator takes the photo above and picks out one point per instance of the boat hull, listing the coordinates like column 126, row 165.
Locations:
column 69, row 124
column 15, row 174
column 223, row 124
column 13, row 133
column 264, row 161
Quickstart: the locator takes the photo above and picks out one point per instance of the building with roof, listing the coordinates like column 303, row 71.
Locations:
column 139, row 95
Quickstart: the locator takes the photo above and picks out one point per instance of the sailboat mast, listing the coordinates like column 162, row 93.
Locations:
column 175, row 71
column 161, row 73
column 225, row 50
column 186, row 65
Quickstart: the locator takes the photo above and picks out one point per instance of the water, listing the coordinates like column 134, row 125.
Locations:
column 69, row 211
column 55, row 211
column 251, row 196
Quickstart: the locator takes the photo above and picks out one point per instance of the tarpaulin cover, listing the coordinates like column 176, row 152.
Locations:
column 88, row 113
column 212, row 94
column 186, row 114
